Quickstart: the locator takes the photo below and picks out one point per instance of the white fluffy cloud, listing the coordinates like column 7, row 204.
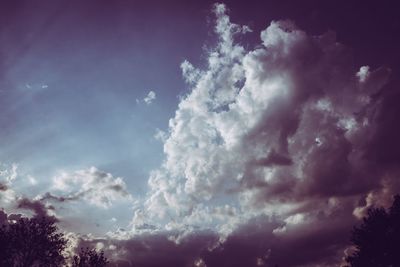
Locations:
column 280, row 130
column 286, row 119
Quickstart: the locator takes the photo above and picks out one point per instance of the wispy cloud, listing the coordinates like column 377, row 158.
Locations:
column 95, row 186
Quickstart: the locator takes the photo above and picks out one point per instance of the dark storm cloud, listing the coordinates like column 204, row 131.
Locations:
column 261, row 241
column 384, row 148
column 37, row 207
column 156, row 249
column 274, row 158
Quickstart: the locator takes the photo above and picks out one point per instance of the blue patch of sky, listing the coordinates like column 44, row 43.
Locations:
column 71, row 81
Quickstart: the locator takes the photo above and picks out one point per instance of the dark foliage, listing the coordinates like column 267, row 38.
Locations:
column 90, row 258
column 31, row 242
column 377, row 239
column 35, row 242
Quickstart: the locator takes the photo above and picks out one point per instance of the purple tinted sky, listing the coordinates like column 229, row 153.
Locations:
column 93, row 53
column 76, row 113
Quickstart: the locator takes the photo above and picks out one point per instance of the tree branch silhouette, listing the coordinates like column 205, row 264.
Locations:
column 377, row 239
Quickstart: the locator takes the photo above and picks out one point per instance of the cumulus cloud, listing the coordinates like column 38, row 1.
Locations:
column 280, row 132
column 92, row 185
column 151, row 96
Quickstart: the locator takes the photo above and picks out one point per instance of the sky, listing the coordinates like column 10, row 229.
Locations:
column 196, row 133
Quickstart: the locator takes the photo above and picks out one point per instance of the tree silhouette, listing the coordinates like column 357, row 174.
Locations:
column 34, row 242
column 89, row 258
column 377, row 239
column 31, row 242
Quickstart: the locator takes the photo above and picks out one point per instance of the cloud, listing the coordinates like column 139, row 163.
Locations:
column 37, row 207
column 49, row 196
column 281, row 132
column 253, row 243
column 154, row 249
column 92, row 185
column 3, row 187
column 151, row 96
column 275, row 151
column 363, row 73
column 160, row 135
column 32, row 180
column 9, row 173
